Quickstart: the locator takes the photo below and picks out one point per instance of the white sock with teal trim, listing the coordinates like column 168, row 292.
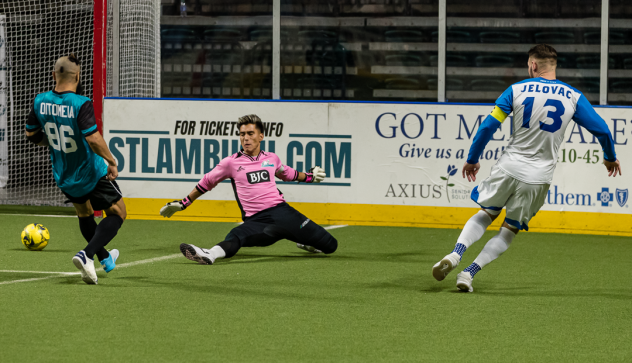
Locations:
column 217, row 252
column 492, row 250
column 472, row 231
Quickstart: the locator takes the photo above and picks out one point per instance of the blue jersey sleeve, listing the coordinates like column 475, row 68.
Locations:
column 505, row 101
column 586, row 117
column 483, row 135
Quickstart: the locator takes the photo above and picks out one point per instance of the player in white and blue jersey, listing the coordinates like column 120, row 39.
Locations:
column 64, row 121
column 542, row 107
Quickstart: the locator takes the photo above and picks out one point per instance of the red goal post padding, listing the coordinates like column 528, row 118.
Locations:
column 99, row 60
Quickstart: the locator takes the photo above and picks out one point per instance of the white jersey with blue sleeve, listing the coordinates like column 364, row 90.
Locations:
column 542, row 110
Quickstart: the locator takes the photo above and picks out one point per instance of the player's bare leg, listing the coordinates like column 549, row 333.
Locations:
column 492, row 250
column 472, row 232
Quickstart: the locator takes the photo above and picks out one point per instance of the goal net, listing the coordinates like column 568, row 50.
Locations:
column 138, row 44
column 33, row 34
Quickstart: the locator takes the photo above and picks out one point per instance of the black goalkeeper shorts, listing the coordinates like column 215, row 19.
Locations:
column 102, row 197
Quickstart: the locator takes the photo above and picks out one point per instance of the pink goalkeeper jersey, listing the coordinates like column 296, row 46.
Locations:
column 252, row 179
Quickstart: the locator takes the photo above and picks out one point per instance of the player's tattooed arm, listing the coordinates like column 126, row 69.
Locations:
column 34, row 132
column 98, row 145
column 37, row 137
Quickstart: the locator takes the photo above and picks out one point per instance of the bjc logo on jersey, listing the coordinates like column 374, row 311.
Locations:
column 256, row 177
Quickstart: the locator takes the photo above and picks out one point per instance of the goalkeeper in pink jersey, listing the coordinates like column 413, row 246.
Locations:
column 267, row 217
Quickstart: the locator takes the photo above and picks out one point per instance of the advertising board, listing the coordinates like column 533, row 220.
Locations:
column 386, row 163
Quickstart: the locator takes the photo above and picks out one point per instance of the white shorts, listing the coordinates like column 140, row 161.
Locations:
column 522, row 200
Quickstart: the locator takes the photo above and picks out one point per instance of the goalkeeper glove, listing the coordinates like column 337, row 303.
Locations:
column 177, row 205
column 315, row 175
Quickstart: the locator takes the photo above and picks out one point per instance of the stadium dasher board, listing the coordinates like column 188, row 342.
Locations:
column 391, row 215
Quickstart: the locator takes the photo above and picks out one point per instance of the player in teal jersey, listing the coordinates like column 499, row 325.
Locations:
column 64, row 121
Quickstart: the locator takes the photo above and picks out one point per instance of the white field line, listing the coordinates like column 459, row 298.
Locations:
column 122, row 265
column 41, row 272
column 40, row 215
column 29, row 280
column 63, row 274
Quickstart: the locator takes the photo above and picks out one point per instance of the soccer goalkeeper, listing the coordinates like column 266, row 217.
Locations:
column 64, row 121
column 267, row 217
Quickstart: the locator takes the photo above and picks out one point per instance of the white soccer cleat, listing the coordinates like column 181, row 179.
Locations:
column 197, row 254
column 464, row 281
column 442, row 268
column 86, row 266
column 308, row 248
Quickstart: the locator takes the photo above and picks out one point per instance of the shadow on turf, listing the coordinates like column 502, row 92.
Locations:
column 402, row 257
column 212, row 287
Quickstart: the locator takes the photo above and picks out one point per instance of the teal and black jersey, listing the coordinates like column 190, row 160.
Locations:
column 67, row 119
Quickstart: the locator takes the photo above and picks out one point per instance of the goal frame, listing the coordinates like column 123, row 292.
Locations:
column 99, row 70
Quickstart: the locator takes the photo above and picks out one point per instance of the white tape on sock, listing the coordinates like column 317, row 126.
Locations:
column 495, row 247
column 474, row 228
column 218, row 252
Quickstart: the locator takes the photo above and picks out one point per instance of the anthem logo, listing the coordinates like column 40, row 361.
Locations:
column 605, row 197
column 622, row 196
column 257, row 177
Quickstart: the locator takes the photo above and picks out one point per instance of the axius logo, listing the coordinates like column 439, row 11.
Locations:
column 433, row 190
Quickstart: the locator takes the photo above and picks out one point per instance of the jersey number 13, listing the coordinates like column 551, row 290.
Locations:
column 556, row 115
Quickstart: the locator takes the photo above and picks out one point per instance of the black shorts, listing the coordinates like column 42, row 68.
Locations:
column 104, row 194
column 282, row 222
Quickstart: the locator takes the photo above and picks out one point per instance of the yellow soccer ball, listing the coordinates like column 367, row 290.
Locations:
column 35, row 237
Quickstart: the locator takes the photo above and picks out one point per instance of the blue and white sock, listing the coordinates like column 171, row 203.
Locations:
column 473, row 269
column 460, row 249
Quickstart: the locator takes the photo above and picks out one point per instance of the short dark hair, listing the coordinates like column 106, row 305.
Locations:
column 544, row 52
column 250, row 119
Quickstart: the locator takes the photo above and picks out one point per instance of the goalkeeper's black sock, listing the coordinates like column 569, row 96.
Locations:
column 105, row 232
column 88, row 226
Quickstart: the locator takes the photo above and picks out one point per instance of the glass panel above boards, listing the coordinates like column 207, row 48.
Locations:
column 216, row 49
column 377, row 50
column 620, row 53
column 487, row 45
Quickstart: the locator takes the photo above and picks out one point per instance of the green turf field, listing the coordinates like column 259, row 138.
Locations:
column 550, row 298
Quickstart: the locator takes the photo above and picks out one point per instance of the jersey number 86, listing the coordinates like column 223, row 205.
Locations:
column 60, row 139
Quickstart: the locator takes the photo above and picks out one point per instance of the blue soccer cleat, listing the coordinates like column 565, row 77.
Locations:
column 110, row 263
